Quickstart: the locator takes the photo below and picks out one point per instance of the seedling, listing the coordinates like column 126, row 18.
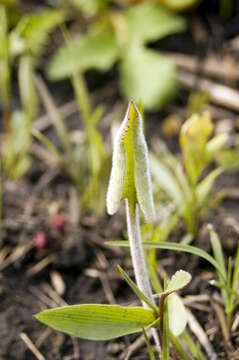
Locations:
column 106, row 322
column 86, row 163
column 118, row 36
column 185, row 186
column 24, row 44
column 130, row 180
column 228, row 278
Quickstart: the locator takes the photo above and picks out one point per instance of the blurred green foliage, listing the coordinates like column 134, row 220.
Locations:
column 122, row 36
column 186, row 187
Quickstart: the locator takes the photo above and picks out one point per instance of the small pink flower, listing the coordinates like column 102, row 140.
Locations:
column 40, row 240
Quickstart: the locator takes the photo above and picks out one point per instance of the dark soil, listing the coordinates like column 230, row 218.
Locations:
column 78, row 252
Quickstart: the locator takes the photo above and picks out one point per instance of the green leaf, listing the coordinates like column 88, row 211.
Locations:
column 130, row 177
column 177, row 314
column 150, row 21
column 214, row 146
column 97, row 322
column 33, row 31
column 96, row 50
column 177, row 247
column 179, row 5
column 206, row 185
column 193, row 139
column 136, row 290
column 148, row 76
column 166, row 180
column 178, row 281
column 217, row 249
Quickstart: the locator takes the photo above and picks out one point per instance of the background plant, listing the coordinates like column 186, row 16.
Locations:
column 24, row 43
column 122, row 36
column 187, row 186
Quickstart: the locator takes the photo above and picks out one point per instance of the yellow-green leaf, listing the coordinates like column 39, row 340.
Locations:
column 98, row 322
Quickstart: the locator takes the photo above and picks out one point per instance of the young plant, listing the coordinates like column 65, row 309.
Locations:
column 228, row 277
column 186, row 187
column 118, row 36
column 24, row 45
column 106, row 322
column 86, row 163
column 229, row 289
column 130, row 180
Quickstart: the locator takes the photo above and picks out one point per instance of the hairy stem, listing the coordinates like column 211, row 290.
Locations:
column 137, row 255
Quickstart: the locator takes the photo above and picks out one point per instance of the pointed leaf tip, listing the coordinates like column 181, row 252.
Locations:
column 130, row 176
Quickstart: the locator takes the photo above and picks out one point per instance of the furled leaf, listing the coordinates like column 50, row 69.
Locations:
column 97, row 49
column 193, row 139
column 33, row 30
column 148, row 76
column 130, row 177
column 150, row 22
column 177, row 314
column 97, row 322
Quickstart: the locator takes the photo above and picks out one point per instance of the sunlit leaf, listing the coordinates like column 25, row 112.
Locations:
column 97, row 322
column 148, row 76
column 177, row 314
column 150, row 21
column 193, row 139
column 178, row 281
column 95, row 50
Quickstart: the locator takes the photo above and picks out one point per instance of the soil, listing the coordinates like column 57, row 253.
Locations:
column 77, row 254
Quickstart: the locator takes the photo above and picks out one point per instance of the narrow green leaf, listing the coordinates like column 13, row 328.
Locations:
column 136, row 290
column 217, row 249
column 166, row 180
column 214, row 146
column 177, row 247
column 97, row 322
column 149, row 346
column 206, row 185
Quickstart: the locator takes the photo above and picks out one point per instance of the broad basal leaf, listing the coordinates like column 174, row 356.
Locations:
column 150, row 21
column 148, row 76
column 96, row 50
column 97, row 322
